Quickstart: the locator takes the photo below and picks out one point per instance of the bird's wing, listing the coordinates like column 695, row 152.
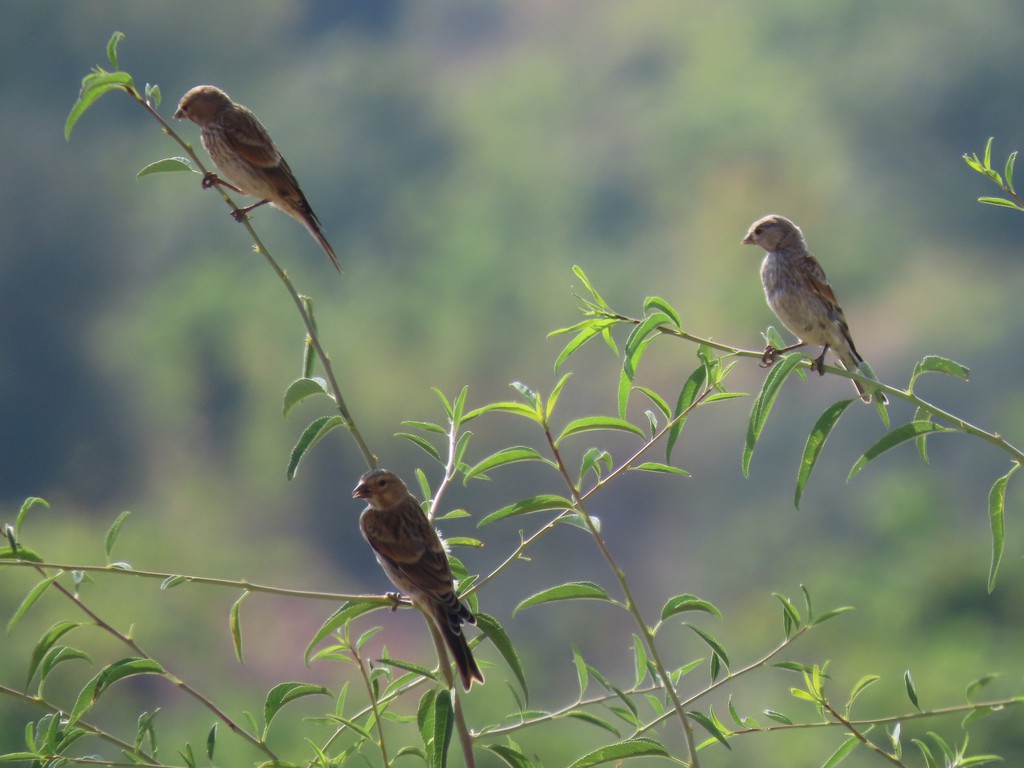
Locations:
column 411, row 546
column 246, row 135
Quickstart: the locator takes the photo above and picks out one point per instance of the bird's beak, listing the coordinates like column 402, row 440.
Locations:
column 180, row 114
column 748, row 240
column 361, row 491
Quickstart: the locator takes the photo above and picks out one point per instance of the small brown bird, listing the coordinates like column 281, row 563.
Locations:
column 800, row 296
column 411, row 554
column 244, row 152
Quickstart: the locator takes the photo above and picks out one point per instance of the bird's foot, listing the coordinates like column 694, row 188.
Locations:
column 210, row 179
column 395, row 598
column 768, row 358
column 818, row 363
column 239, row 214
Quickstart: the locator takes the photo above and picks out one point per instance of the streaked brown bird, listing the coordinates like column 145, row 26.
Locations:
column 411, row 554
column 800, row 296
column 245, row 154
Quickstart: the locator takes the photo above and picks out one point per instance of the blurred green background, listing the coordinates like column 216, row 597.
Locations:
column 462, row 157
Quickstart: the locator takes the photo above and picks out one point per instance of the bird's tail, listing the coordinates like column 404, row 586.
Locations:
column 451, row 615
column 851, row 361
column 305, row 216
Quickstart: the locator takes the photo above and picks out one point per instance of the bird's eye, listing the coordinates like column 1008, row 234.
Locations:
column 758, row 230
column 381, row 483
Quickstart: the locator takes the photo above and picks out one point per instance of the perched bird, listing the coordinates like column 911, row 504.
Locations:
column 244, row 152
column 799, row 294
column 411, row 554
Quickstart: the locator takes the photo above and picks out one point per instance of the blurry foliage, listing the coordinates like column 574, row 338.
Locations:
column 479, row 154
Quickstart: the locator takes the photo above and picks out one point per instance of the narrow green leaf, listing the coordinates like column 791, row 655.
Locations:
column 458, row 408
column 58, row 655
column 920, row 414
column 831, row 614
column 900, row 435
column 976, row 685
column 773, row 382
column 211, row 741
column 339, row 618
column 638, row 341
column 94, row 85
column 711, row 726
column 108, row 676
column 590, row 331
column 234, row 623
column 574, row 590
column 623, row 393
column 861, row 685
column 302, row 388
column 30, row 599
column 115, row 40
column 708, row 638
column 659, row 304
column 842, row 753
column 408, row 666
column 112, row 534
column 444, row 722
column 499, row 638
column 815, row 442
column 589, row 423
column 654, row 466
column 791, row 616
column 987, row 162
column 172, row 581
column 576, row 270
column 581, row 669
column 51, row 636
column 622, row 750
column 510, row 755
column 691, row 390
column 936, row 364
column 555, row 393
column 26, row 506
column 587, row 717
column 996, row 510
column 313, row 434
column 518, row 409
column 657, row 399
column 423, row 443
column 285, row 693
column 908, row 681
column 999, row 201
column 1008, row 171
column 777, row 717
column 167, row 165
column 21, row 553
column 541, row 503
column 639, row 661
column 687, row 602
column 507, row 456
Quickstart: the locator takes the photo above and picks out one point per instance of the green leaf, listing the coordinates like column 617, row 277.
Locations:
column 408, row 666
column 553, row 397
column 1008, row 171
column 576, row 270
column 908, row 681
column 654, row 466
column 657, row 303
column 172, row 581
column 112, row 534
column 284, row 693
column 115, row 40
column 236, row 626
column 996, row 509
column 976, row 685
column 622, row 750
column 108, row 676
column 30, row 599
column 510, row 755
column 639, row 661
column 540, row 503
column 507, row 456
column 58, row 655
column 313, row 434
column 777, row 717
column 791, row 617
column 340, row 618
column 28, row 504
column 519, row 409
column 499, row 638
column 167, row 165
column 861, row 685
column 688, row 394
column 589, row 331
column 302, row 388
column 773, row 382
column 587, row 717
column 909, row 431
column 211, row 741
column 936, row 364
column 423, row 443
column 637, row 342
column 443, row 724
column 95, row 85
column 999, row 201
column 711, row 726
column 831, row 614
column 589, row 423
column 687, row 602
column 581, row 669
column 710, row 640
column 815, row 442
column 21, row 553
column 841, row 754
column 52, row 635
column 573, row 590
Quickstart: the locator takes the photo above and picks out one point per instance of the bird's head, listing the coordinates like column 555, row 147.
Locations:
column 773, row 233
column 202, row 103
column 381, row 488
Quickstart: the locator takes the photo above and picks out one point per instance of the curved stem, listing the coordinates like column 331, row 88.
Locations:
column 354, row 650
